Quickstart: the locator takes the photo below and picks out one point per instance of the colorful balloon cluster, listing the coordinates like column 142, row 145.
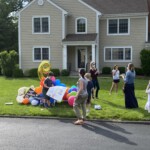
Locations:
column 69, row 95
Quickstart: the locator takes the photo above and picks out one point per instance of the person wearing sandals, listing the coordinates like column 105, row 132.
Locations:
column 116, row 80
column 90, row 90
column 130, row 99
column 47, row 84
column 80, row 99
column 94, row 73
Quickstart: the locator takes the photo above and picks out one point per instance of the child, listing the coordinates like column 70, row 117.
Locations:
column 47, row 84
column 94, row 74
column 147, row 106
column 90, row 90
column 116, row 80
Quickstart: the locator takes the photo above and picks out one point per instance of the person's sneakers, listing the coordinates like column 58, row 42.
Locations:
column 45, row 105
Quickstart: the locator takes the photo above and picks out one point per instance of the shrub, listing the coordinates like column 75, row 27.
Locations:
column 139, row 71
column 145, row 61
column 106, row 70
column 56, row 71
column 8, row 60
column 64, row 72
column 17, row 73
column 33, row 72
column 122, row 70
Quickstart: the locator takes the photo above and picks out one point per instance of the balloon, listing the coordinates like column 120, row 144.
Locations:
column 71, row 100
column 73, row 93
column 42, row 81
column 34, row 102
column 68, row 95
column 69, row 90
column 25, row 101
column 31, row 99
column 43, row 68
column 62, row 84
column 19, row 99
column 38, row 90
column 57, row 82
column 73, row 86
column 53, row 78
column 65, row 96
column 74, row 89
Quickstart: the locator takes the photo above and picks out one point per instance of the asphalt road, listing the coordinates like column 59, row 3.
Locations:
column 53, row 134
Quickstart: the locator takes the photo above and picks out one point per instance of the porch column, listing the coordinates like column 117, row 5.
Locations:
column 64, row 56
column 93, row 53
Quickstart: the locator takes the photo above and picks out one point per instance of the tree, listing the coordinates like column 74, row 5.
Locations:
column 9, row 23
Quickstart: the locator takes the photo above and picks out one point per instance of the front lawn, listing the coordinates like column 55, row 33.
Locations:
column 112, row 105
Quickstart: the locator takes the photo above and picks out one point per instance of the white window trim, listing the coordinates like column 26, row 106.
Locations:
column 41, row 53
column 85, row 25
column 118, row 47
column 114, row 34
column 33, row 24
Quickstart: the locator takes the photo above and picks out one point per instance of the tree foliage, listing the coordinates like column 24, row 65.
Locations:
column 9, row 24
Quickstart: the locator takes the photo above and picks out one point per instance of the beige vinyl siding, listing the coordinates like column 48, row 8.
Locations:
column 77, row 9
column 52, row 40
column 136, row 39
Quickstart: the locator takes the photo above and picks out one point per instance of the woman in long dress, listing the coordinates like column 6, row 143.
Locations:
column 147, row 106
column 130, row 99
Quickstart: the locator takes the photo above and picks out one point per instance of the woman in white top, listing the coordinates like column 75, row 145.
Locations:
column 116, row 79
column 147, row 106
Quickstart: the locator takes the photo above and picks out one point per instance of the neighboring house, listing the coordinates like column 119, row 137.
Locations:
column 71, row 33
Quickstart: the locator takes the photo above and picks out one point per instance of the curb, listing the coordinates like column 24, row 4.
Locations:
column 92, row 120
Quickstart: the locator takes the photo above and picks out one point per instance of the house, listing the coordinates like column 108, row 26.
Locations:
column 71, row 33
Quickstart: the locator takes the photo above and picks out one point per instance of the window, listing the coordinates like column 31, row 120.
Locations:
column 118, row 26
column 117, row 53
column 41, row 24
column 81, row 25
column 41, row 53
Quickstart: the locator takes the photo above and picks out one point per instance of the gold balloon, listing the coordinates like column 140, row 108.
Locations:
column 43, row 69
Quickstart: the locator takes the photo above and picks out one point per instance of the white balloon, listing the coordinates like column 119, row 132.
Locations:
column 34, row 102
column 19, row 99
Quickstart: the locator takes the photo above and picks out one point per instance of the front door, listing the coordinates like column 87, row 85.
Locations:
column 81, row 56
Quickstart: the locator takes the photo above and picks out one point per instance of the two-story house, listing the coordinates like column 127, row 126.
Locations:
column 71, row 33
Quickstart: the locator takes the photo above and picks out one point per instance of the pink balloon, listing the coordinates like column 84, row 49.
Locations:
column 53, row 78
column 71, row 100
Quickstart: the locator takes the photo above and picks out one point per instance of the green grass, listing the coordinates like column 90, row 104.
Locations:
column 112, row 106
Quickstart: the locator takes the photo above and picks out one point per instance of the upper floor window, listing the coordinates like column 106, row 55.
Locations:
column 117, row 53
column 41, row 53
column 81, row 25
column 41, row 25
column 118, row 26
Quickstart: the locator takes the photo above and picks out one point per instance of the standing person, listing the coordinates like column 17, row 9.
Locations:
column 94, row 73
column 116, row 80
column 47, row 84
column 147, row 106
column 90, row 90
column 80, row 99
column 130, row 99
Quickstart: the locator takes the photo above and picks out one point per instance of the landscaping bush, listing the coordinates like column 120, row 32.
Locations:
column 106, row 70
column 17, row 73
column 8, row 60
column 56, row 71
column 145, row 61
column 64, row 72
column 139, row 71
column 122, row 70
column 33, row 72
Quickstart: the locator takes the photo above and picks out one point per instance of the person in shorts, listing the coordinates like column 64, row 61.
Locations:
column 116, row 79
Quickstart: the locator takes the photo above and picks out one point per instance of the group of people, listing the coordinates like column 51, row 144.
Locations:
column 88, row 87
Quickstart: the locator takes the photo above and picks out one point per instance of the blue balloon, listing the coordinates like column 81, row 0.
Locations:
column 62, row 84
column 57, row 82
